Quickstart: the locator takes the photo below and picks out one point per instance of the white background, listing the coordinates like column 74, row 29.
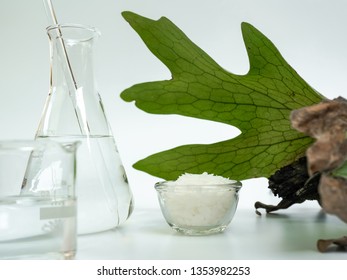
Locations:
column 311, row 35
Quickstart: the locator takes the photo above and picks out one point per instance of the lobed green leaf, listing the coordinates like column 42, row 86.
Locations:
column 258, row 103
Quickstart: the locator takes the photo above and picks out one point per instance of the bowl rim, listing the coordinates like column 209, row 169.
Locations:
column 172, row 186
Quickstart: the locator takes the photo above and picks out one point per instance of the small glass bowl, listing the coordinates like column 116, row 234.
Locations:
column 198, row 209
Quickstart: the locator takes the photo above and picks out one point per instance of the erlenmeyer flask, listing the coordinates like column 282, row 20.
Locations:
column 74, row 112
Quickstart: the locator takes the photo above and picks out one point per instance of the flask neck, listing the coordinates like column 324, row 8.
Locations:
column 71, row 48
column 73, row 106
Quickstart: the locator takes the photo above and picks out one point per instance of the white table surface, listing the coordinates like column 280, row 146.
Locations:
column 287, row 235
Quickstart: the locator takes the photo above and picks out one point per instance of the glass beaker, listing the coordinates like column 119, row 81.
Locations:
column 74, row 112
column 37, row 204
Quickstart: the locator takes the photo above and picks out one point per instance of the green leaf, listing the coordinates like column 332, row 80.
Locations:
column 258, row 103
column 341, row 171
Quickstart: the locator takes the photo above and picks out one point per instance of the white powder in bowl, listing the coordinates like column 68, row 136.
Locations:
column 199, row 200
column 202, row 179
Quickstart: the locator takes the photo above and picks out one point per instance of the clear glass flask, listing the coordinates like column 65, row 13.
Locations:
column 74, row 112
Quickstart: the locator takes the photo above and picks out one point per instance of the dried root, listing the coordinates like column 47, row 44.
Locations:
column 293, row 184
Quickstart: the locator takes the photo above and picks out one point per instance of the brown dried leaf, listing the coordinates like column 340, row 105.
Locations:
column 333, row 192
column 324, row 245
column 327, row 122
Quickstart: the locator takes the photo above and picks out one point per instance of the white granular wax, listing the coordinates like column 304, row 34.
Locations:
column 202, row 179
column 191, row 205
